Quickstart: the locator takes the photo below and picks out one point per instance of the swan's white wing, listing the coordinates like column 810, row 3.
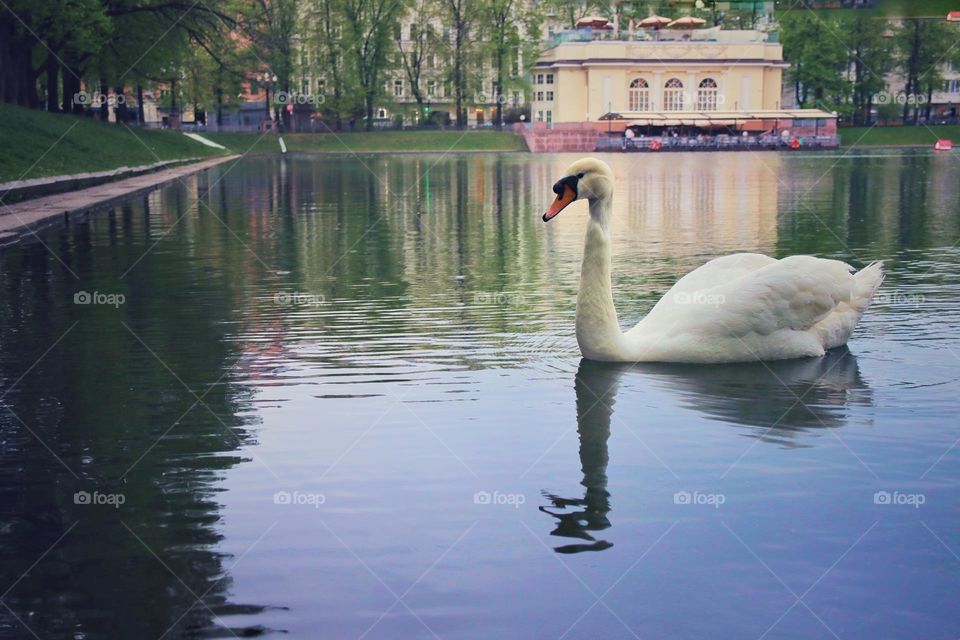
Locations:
column 735, row 301
column 720, row 271
column 749, row 307
column 794, row 293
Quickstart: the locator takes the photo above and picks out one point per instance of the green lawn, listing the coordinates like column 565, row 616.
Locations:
column 374, row 141
column 898, row 136
column 37, row 144
column 884, row 8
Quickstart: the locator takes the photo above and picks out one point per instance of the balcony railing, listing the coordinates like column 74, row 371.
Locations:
column 685, row 36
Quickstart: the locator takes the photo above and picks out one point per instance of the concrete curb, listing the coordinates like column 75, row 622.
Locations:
column 20, row 190
column 24, row 218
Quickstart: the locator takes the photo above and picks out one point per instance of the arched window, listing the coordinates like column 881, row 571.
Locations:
column 638, row 95
column 673, row 95
column 707, row 95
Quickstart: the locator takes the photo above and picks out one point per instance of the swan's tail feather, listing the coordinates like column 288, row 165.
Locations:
column 836, row 328
column 867, row 281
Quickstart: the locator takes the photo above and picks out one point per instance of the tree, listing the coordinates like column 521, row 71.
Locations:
column 921, row 46
column 571, row 11
column 271, row 25
column 462, row 14
column 512, row 30
column 328, row 41
column 818, row 58
column 870, row 61
column 369, row 24
column 37, row 37
column 422, row 44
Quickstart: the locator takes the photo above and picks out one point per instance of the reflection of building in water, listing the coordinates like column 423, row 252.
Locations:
column 703, row 206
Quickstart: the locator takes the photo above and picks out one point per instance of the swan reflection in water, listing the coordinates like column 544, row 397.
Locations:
column 778, row 400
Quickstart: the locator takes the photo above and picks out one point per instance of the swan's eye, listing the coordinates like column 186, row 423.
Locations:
column 580, row 175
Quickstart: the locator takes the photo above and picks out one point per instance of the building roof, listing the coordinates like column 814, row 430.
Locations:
column 705, row 118
column 748, row 48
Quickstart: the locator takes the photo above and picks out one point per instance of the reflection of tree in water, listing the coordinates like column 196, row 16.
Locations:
column 778, row 399
column 99, row 400
column 596, row 389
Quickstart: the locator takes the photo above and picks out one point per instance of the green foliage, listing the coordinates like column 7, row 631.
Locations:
column 818, row 59
column 368, row 29
column 509, row 28
column 871, row 59
column 922, row 48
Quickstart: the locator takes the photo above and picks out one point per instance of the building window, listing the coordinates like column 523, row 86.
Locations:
column 321, row 87
column 539, row 78
column 549, row 78
column 638, row 96
column 539, row 116
column 549, row 96
column 707, row 95
column 952, row 86
column 539, row 96
column 673, row 95
column 381, row 113
column 431, row 88
column 516, row 98
column 398, row 88
column 305, row 87
column 413, row 31
column 549, row 118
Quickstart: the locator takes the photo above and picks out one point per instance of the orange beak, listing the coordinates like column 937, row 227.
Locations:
column 567, row 196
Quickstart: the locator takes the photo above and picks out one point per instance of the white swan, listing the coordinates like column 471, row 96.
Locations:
column 738, row 308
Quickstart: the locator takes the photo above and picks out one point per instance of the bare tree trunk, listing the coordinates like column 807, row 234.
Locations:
column 120, row 111
column 104, row 104
column 219, row 96
column 458, row 77
column 53, row 83
column 71, row 87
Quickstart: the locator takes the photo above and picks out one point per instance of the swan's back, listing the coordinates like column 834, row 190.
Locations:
column 750, row 306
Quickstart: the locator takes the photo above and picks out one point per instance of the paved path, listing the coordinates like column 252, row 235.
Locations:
column 24, row 218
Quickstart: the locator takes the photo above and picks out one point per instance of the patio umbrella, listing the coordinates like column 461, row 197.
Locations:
column 597, row 22
column 654, row 21
column 686, row 22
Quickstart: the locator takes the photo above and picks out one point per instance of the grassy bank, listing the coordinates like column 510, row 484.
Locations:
column 37, row 144
column 881, row 9
column 375, row 141
column 920, row 136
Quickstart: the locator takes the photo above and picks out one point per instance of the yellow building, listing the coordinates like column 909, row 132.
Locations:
column 682, row 71
column 677, row 89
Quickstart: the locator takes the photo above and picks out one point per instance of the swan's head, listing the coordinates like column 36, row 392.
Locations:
column 586, row 179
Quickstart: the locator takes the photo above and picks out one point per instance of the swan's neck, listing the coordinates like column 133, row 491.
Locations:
column 598, row 331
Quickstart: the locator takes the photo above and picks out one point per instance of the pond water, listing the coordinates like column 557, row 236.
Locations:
column 341, row 397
